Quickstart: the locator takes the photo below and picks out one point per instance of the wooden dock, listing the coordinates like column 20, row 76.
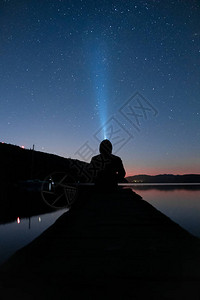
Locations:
column 110, row 245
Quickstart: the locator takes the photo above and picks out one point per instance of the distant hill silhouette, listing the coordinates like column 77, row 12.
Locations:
column 164, row 178
column 18, row 164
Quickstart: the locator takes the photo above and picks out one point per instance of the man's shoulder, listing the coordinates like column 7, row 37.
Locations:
column 96, row 157
column 111, row 157
column 115, row 157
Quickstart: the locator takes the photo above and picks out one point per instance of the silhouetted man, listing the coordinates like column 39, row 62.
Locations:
column 107, row 168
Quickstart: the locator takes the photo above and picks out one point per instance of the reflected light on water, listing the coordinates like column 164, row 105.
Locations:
column 181, row 205
column 15, row 236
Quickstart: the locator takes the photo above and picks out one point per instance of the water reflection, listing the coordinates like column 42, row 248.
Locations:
column 23, row 216
column 180, row 203
column 22, row 231
column 163, row 186
column 20, row 204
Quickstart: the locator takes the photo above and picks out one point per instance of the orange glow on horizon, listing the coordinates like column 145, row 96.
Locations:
column 157, row 171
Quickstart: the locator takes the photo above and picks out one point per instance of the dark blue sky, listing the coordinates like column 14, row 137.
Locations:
column 74, row 72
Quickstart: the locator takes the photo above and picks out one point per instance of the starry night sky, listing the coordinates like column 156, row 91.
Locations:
column 75, row 72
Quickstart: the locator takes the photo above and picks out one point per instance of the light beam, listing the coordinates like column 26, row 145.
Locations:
column 100, row 77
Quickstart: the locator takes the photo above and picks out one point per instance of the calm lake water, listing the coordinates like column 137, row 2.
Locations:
column 180, row 203
column 15, row 235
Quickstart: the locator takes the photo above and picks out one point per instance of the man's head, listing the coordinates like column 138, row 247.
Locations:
column 105, row 147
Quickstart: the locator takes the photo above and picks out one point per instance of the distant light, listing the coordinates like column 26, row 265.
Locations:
column 18, row 220
column 39, row 219
column 22, row 147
